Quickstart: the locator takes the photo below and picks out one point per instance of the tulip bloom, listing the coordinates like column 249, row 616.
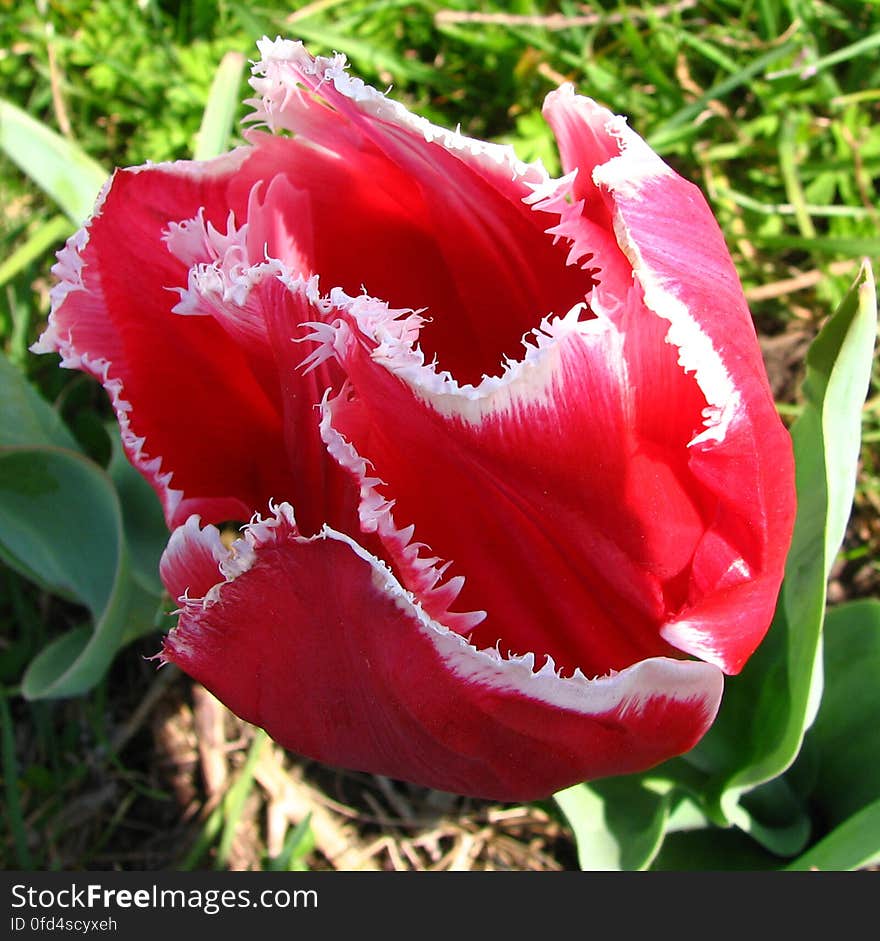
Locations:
column 519, row 495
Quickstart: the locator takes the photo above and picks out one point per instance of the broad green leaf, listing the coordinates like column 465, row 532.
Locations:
column 686, row 814
column 61, row 525
column 55, row 659
column 61, row 169
column 143, row 522
column 60, row 519
column 712, row 850
column 618, row 823
column 776, row 816
column 26, row 418
column 146, row 612
column 767, row 708
column 223, row 100
column 844, row 739
column 853, row 845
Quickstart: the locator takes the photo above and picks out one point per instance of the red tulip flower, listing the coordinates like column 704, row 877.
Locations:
column 519, row 495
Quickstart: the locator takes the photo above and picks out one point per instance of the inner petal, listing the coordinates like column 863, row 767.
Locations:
column 568, row 505
column 266, row 312
column 419, row 228
column 196, row 420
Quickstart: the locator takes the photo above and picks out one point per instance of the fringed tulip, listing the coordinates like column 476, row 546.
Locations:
column 517, row 489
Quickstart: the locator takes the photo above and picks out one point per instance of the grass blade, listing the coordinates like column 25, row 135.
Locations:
column 58, row 166
column 669, row 130
column 233, row 803
column 223, row 101
column 14, row 816
column 48, row 234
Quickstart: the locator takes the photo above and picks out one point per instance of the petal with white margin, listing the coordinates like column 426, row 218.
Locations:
column 560, row 491
column 420, row 217
column 112, row 317
column 338, row 662
column 678, row 255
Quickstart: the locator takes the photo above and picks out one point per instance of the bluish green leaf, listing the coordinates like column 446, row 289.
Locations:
column 60, row 520
column 61, row 525
column 144, row 524
column 54, row 660
column 26, row 418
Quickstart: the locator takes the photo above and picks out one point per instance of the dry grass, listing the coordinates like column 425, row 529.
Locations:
column 157, row 797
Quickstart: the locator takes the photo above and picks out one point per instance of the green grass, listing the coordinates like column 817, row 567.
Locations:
column 771, row 107
column 764, row 105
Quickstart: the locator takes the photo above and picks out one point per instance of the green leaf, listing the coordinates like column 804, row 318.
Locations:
column 844, row 738
column 824, row 244
column 59, row 517
column 26, row 418
column 768, row 707
column 54, row 660
column 853, row 845
column 143, row 521
column 371, row 56
column 58, row 166
column 682, row 122
column 223, row 101
column 712, row 850
column 61, row 525
column 618, row 823
column 866, row 44
column 235, row 797
column 776, row 816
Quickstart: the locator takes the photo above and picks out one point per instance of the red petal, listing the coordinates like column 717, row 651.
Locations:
column 335, row 660
column 679, row 257
column 245, row 424
column 191, row 560
column 268, row 313
column 556, row 491
column 173, row 379
column 384, row 184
